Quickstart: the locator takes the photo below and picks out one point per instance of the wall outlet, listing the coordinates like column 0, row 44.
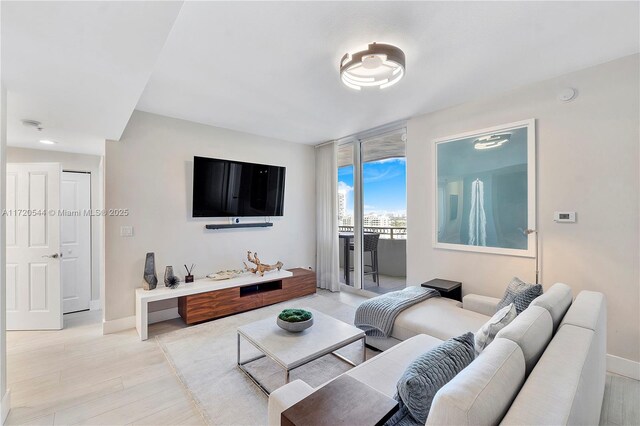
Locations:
column 234, row 220
column 126, row 231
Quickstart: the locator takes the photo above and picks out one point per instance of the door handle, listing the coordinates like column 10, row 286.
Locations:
column 53, row 256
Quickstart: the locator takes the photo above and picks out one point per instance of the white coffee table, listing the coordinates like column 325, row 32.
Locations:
column 292, row 350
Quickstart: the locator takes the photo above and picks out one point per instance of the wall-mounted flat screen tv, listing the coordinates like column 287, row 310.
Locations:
column 223, row 188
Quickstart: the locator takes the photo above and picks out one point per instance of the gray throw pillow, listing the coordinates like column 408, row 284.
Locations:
column 520, row 294
column 426, row 375
column 498, row 321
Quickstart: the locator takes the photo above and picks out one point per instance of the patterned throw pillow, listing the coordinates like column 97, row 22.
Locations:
column 498, row 321
column 426, row 375
column 520, row 294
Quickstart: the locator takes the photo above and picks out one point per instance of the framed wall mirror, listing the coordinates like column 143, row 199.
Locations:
column 485, row 190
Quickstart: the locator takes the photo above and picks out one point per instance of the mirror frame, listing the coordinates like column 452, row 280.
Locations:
column 531, row 189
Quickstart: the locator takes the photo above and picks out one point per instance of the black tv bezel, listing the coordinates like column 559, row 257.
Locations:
column 193, row 211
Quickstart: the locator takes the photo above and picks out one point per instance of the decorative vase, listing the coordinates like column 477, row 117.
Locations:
column 150, row 277
column 168, row 274
column 295, row 327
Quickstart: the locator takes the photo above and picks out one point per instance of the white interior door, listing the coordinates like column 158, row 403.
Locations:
column 75, row 196
column 34, row 296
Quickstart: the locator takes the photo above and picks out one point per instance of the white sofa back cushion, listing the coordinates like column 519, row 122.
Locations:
column 532, row 331
column 555, row 393
column 556, row 300
column 589, row 311
column 567, row 384
column 481, row 393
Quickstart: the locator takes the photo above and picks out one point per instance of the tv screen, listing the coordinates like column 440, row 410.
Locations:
column 223, row 188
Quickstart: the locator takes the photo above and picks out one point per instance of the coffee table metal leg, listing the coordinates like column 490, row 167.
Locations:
column 241, row 366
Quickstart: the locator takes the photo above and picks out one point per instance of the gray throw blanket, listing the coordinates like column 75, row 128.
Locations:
column 376, row 316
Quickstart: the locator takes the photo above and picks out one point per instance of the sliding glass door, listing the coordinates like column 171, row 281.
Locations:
column 372, row 210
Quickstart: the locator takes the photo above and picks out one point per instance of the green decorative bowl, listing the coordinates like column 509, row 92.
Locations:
column 295, row 320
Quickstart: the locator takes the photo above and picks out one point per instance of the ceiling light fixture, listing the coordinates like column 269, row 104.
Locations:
column 491, row 141
column 379, row 66
column 47, row 142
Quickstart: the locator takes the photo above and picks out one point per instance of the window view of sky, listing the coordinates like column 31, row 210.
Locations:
column 385, row 190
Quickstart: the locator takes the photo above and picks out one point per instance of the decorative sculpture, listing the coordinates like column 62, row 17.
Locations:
column 150, row 277
column 260, row 267
column 170, row 280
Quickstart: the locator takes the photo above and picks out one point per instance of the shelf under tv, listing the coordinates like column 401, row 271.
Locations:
column 238, row 225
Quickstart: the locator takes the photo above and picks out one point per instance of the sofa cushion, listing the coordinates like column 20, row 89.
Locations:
column 428, row 373
column 484, row 305
column 532, row 331
column 566, row 387
column 382, row 371
column 438, row 317
column 556, row 300
column 520, row 294
column 481, row 393
column 588, row 311
column 498, row 321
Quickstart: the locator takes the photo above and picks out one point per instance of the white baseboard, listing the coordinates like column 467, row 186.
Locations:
column 120, row 324
column 623, row 367
column 163, row 315
column 5, row 406
column 95, row 305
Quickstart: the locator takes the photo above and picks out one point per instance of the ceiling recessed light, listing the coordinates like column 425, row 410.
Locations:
column 47, row 142
column 379, row 66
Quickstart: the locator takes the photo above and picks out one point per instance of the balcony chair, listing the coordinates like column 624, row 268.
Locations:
column 370, row 245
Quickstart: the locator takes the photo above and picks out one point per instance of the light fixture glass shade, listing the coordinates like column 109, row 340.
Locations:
column 380, row 66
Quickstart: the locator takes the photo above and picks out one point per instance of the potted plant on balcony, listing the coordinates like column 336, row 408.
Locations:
column 295, row 320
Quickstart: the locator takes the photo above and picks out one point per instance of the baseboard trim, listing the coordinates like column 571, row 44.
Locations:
column 5, row 406
column 163, row 315
column 95, row 305
column 120, row 324
column 623, row 367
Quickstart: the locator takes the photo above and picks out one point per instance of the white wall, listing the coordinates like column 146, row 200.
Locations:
column 587, row 153
column 78, row 163
column 149, row 171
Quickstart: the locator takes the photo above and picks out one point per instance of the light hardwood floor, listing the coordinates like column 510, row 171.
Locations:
column 79, row 376
column 621, row 405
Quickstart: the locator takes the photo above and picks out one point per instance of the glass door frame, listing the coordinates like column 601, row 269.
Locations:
column 357, row 142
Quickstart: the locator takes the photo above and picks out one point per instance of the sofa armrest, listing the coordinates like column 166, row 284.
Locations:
column 484, row 305
column 285, row 397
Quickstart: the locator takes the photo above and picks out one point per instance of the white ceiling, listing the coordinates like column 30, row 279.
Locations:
column 271, row 68
column 78, row 67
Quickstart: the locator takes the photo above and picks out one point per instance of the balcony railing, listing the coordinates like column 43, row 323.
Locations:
column 387, row 232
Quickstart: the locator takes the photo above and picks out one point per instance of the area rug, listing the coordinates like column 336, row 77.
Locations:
column 204, row 358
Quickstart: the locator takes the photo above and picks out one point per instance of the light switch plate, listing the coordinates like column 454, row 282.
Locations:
column 126, row 231
column 564, row 217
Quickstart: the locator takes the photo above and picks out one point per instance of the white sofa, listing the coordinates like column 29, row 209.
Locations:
column 439, row 317
column 546, row 367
